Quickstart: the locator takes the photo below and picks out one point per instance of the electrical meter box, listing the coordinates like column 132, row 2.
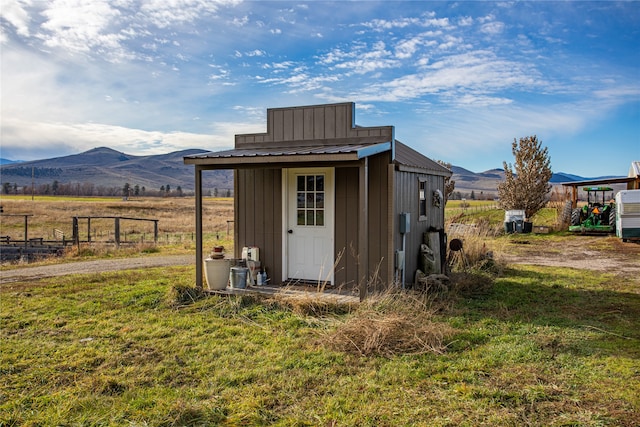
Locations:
column 405, row 222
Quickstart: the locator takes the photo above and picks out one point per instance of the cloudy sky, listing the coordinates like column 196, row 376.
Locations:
column 458, row 80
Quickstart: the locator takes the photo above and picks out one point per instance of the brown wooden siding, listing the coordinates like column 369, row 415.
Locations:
column 406, row 200
column 378, row 218
column 318, row 123
column 346, row 226
column 258, row 216
column 346, row 223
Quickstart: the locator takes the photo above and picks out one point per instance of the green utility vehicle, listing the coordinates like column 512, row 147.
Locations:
column 597, row 215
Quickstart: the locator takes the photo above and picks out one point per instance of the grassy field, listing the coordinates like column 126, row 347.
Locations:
column 176, row 221
column 541, row 346
column 521, row 345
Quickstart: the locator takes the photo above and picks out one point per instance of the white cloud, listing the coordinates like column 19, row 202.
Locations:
column 481, row 72
column 442, row 22
column 167, row 13
column 240, row 22
column 256, row 52
column 406, row 48
column 31, row 137
column 492, row 28
column 14, row 13
column 465, row 21
column 77, row 26
column 383, row 24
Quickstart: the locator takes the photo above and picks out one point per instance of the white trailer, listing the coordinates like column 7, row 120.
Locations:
column 628, row 215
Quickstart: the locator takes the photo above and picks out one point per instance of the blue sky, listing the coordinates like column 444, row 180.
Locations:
column 458, row 80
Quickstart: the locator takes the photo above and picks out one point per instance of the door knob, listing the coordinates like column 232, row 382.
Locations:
column 290, row 231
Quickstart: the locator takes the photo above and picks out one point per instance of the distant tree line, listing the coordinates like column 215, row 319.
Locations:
column 481, row 195
column 56, row 188
column 35, row 172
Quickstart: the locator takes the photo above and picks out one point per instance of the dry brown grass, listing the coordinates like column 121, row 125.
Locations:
column 312, row 305
column 176, row 223
column 388, row 325
column 175, row 215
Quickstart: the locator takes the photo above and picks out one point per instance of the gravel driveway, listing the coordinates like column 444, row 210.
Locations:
column 101, row 265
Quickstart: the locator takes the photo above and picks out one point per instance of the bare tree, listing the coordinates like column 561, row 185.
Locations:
column 449, row 184
column 526, row 183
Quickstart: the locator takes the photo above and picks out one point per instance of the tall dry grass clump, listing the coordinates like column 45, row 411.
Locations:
column 391, row 324
column 477, row 252
column 560, row 201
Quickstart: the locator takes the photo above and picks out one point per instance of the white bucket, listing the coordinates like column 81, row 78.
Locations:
column 216, row 272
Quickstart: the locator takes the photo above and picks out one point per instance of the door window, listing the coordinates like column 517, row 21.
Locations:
column 310, row 200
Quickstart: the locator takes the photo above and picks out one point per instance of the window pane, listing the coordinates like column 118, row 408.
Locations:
column 310, row 201
column 310, row 183
column 300, row 186
column 422, row 198
column 319, row 200
column 320, row 217
column 310, row 217
column 300, row 201
column 319, row 182
column 301, row 217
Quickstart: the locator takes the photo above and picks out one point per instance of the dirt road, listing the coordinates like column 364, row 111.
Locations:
column 101, row 265
column 605, row 254
column 596, row 253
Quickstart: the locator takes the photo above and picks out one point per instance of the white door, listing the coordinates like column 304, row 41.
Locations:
column 309, row 224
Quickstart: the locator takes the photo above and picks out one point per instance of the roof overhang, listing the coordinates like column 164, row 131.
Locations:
column 237, row 158
column 621, row 180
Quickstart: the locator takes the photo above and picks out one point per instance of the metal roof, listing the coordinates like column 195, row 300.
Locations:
column 292, row 154
column 406, row 158
column 411, row 160
column 620, row 180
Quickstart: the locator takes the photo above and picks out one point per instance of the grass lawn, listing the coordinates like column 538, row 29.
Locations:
column 544, row 347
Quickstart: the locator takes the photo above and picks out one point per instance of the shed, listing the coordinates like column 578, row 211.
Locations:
column 632, row 181
column 326, row 200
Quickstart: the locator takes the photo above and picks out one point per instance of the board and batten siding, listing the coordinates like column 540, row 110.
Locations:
column 258, row 216
column 407, row 200
column 317, row 125
column 347, row 224
column 380, row 208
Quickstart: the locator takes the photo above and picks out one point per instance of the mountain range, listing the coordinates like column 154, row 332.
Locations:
column 110, row 168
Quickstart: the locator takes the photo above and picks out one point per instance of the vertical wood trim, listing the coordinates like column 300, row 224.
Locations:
column 318, row 123
column 288, row 124
column 237, row 251
column 330, row 122
column 199, row 258
column 283, row 223
column 308, row 123
column 278, row 125
column 363, row 227
column 341, row 121
column 298, row 122
column 391, row 225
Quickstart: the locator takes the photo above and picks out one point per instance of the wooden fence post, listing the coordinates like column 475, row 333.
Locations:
column 76, row 234
column 117, row 231
column 155, row 231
